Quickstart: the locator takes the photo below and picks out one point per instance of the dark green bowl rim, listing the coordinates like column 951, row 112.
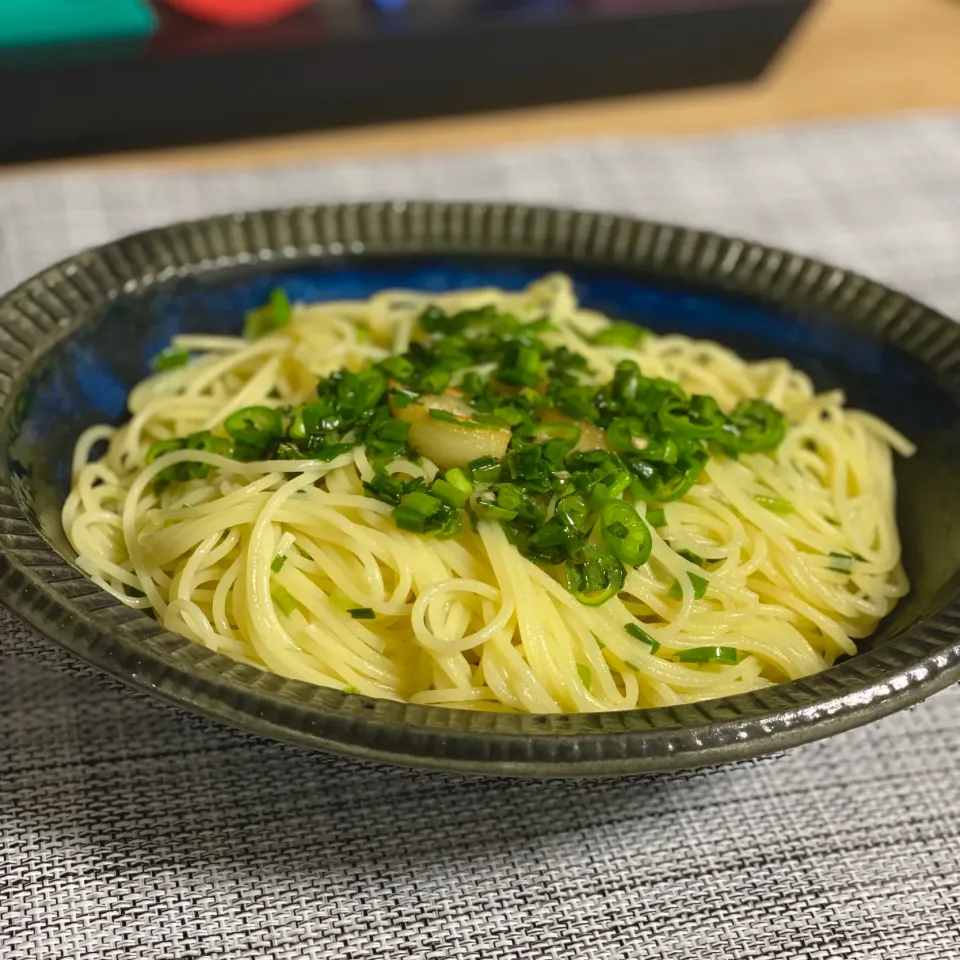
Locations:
column 54, row 597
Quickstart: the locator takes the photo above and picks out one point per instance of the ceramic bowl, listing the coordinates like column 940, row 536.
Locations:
column 77, row 337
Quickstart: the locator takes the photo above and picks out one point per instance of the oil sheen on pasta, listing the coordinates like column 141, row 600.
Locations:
column 770, row 566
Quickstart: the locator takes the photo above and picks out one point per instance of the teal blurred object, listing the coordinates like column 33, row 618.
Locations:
column 33, row 22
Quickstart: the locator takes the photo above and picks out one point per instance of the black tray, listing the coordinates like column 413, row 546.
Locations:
column 342, row 62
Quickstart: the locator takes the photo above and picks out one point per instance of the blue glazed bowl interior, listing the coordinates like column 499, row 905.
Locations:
column 87, row 376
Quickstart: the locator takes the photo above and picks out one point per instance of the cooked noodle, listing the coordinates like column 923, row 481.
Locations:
column 468, row 621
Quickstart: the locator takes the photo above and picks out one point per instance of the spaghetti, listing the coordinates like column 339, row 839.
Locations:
column 492, row 500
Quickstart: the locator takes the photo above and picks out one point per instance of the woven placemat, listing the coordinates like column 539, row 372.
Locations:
column 129, row 829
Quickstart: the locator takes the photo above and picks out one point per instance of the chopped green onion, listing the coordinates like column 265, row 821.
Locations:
column 484, row 470
column 282, row 310
column 491, row 511
column 585, row 674
column 656, row 518
column 691, row 557
column 400, row 368
column 639, row 634
column 422, row 503
column 774, row 504
column 552, row 543
column 387, row 436
column 509, row 497
column 458, row 479
column 628, row 434
column 362, row 613
column 486, row 420
column 568, row 433
column 448, row 417
column 275, row 314
column 450, row 526
column 278, row 561
column 435, row 381
column 283, row 599
column 527, row 463
column 523, row 369
column 350, row 690
column 329, row 451
column 386, row 488
column 433, row 319
column 510, row 415
column 708, row 655
column 699, row 585
column 170, row 359
column 403, row 398
column 841, row 562
column 406, row 518
column 447, row 492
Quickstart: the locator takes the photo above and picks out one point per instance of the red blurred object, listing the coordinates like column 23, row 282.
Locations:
column 238, row 12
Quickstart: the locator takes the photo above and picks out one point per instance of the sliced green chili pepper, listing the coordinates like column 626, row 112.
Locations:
column 255, row 425
column 756, row 426
column 625, row 534
column 700, row 418
column 595, row 576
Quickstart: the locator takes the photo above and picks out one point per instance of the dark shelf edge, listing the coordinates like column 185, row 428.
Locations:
column 135, row 102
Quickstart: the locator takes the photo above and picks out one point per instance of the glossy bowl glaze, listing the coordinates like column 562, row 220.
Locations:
column 76, row 338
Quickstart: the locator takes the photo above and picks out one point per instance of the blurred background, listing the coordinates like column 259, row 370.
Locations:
column 98, row 76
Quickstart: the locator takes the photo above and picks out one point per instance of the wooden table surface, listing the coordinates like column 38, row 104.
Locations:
column 848, row 58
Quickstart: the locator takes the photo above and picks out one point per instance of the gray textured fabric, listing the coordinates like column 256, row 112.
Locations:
column 130, row 830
